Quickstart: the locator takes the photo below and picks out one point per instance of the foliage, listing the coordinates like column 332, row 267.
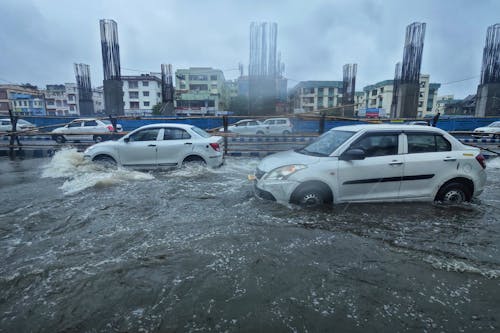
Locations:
column 157, row 109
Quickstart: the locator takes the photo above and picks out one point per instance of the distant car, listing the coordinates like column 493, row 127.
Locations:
column 247, row 127
column 374, row 163
column 278, row 126
column 492, row 130
column 22, row 125
column 85, row 129
column 417, row 122
column 160, row 146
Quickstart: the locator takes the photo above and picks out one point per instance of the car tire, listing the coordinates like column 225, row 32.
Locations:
column 193, row 160
column 260, row 133
column 286, row 132
column 59, row 139
column 106, row 161
column 453, row 193
column 310, row 196
column 98, row 138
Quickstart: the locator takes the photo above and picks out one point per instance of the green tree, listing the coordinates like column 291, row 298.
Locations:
column 157, row 110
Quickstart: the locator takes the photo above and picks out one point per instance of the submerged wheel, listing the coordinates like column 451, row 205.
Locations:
column 193, row 160
column 286, row 132
column 311, row 196
column 454, row 193
column 60, row 139
column 98, row 138
column 104, row 160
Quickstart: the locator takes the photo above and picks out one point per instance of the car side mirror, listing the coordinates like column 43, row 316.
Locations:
column 353, row 154
column 126, row 139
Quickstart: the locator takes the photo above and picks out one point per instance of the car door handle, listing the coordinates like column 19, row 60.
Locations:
column 395, row 163
column 188, row 143
column 151, row 145
column 450, row 159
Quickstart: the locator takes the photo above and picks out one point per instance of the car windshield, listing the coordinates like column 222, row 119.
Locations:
column 326, row 143
column 107, row 122
column 495, row 124
column 200, row 132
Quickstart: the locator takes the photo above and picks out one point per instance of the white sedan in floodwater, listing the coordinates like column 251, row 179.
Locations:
column 159, row 146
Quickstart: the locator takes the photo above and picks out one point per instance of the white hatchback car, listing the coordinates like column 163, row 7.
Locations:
column 85, row 129
column 278, row 126
column 492, row 130
column 22, row 125
column 158, row 146
column 370, row 163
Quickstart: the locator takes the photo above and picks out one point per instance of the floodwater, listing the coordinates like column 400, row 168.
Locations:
column 85, row 249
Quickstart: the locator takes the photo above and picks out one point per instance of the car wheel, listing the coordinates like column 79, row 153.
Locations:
column 98, row 138
column 496, row 136
column 104, row 160
column 193, row 160
column 260, row 133
column 310, row 197
column 60, row 139
column 453, row 193
column 286, row 132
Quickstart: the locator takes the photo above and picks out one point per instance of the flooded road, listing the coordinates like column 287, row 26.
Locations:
column 93, row 250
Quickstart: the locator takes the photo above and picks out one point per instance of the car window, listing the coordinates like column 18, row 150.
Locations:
column 175, row 134
column 75, row 124
column 244, row 123
column 6, row 122
column 378, row 144
column 90, row 123
column 269, row 122
column 281, row 122
column 326, row 144
column 427, row 143
column 150, row 134
column 200, row 132
column 252, row 123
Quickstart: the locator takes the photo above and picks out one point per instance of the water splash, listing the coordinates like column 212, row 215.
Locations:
column 83, row 174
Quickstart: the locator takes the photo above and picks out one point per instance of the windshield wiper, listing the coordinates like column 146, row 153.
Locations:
column 307, row 152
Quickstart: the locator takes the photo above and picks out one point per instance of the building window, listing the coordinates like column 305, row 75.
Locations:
column 198, row 77
column 420, row 104
column 158, row 95
column 213, row 77
column 58, row 103
column 374, row 92
column 134, row 105
column 213, row 86
column 200, row 87
column 381, row 90
column 133, row 84
column 72, row 107
column 145, row 93
column 133, row 94
column 145, row 83
column 146, row 103
column 182, row 86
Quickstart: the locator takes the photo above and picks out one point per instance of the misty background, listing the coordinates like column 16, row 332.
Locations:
column 41, row 39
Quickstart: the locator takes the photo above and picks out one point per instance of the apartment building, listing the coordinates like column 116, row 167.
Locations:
column 200, row 90
column 23, row 99
column 61, row 99
column 379, row 96
column 309, row 96
column 141, row 93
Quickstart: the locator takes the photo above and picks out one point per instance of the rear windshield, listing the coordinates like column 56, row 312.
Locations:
column 107, row 122
column 200, row 132
column 326, row 144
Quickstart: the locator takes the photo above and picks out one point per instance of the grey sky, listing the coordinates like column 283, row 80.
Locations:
column 41, row 39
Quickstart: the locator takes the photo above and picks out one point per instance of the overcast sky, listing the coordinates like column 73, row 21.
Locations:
column 41, row 39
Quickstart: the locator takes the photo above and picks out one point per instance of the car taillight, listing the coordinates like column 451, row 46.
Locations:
column 215, row 146
column 110, row 128
column 480, row 158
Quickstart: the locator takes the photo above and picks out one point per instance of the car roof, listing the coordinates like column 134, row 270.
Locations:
column 387, row 127
column 242, row 120
column 183, row 126
column 85, row 119
column 277, row 119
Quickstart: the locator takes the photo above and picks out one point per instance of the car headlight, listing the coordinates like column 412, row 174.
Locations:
column 285, row 171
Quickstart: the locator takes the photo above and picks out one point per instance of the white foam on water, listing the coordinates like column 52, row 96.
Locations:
column 82, row 174
column 453, row 265
column 493, row 163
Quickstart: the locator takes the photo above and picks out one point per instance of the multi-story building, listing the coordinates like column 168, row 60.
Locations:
column 379, row 97
column 62, row 99
column 141, row 93
column 200, row 90
column 23, row 99
column 309, row 96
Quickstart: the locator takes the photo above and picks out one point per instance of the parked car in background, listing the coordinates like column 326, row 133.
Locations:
column 372, row 163
column 85, row 129
column 278, row 126
column 159, row 146
column 492, row 130
column 22, row 125
column 247, row 127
